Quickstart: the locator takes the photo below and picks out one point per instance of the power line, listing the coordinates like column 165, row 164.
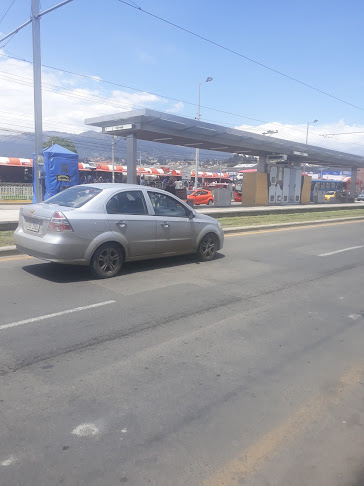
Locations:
column 5, row 14
column 236, row 53
column 282, row 130
column 9, row 40
column 155, row 94
column 151, row 93
column 92, row 98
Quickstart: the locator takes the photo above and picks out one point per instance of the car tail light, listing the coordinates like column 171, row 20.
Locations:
column 59, row 222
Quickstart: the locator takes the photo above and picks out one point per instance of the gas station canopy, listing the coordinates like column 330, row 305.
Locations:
column 156, row 126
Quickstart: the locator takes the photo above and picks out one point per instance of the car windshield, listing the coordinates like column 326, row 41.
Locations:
column 190, row 192
column 74, row 197
column 330, row 193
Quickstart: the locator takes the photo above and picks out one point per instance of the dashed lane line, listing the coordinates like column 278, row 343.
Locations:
column 55, row 314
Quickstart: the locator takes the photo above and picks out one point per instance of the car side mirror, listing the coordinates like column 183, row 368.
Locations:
column 191, row 215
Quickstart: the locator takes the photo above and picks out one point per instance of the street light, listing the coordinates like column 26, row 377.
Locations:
column 208, row 80
column 308, row 124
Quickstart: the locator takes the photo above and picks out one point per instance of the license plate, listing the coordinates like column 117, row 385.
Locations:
column 33, row 227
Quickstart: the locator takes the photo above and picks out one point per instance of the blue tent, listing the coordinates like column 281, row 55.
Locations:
column 60, row 170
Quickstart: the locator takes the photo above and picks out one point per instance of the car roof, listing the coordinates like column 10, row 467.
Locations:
column 112, row 187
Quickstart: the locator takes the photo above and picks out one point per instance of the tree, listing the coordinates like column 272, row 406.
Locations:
column 63, row 142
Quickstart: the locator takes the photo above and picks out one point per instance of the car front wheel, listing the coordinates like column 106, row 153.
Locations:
column 107, row 261
column 210, row 202
column 207, row 248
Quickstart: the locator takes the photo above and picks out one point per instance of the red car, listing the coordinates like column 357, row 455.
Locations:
column 237, row 196
column 201, row 196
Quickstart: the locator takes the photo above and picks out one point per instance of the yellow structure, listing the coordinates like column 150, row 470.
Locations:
column 255, row 189
column 306, row 190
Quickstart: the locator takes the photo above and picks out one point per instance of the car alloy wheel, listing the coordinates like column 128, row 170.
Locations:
column 208, row 247
column 107, row 260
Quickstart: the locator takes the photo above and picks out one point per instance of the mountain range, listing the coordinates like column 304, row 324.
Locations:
column 96, row 145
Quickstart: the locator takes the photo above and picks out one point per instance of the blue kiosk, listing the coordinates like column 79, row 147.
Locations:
column 60, row 171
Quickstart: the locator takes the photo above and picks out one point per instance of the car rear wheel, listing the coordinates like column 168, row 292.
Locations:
column 208, row 247
column 210, row 202
column 107, row 261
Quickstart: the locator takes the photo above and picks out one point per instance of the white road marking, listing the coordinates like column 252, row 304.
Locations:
column 86, row 430
column 340, row 251
column 55, row 314
column 123, row 431
column 355, row 317
column 9, row 461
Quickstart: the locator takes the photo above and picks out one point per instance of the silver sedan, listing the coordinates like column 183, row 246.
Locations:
column 103, row 225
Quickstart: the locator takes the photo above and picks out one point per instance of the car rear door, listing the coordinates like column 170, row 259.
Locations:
column 176, row 232
column 129, row 218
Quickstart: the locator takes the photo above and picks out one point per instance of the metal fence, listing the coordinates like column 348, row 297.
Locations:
column 16, row 192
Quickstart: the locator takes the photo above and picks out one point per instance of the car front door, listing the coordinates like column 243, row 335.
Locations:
column 204, row 197
column 199, row 197
column 176, row 232
column 128, row 217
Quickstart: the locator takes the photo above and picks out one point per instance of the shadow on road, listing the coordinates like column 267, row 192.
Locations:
column 60, row 273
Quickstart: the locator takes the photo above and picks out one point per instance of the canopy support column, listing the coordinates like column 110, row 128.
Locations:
column 354, row 171
column 131, row 149
column 262, row 164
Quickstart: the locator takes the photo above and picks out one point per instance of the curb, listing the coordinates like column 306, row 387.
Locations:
column 5, row 202
column 8, row 251
column 8, row 225
column 11, row 250
column 261, row 227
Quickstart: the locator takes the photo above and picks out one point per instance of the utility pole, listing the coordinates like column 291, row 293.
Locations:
column 37, row 85
column 37, row 81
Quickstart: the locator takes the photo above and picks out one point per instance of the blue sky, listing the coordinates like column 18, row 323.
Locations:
column 318, row 42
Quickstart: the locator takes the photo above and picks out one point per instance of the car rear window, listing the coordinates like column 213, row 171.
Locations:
column 74, row 197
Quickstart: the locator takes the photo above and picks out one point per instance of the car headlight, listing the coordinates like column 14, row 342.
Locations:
column 219, row 224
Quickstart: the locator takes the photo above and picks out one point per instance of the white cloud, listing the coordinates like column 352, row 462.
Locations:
column 351, row 143
column 146, row 57
column 176, row 108
column 67, row 99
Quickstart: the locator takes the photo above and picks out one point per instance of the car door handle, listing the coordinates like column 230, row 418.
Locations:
column 165, row 224
column 122, row 224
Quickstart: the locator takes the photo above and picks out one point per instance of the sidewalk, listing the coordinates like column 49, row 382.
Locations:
column 9, row 213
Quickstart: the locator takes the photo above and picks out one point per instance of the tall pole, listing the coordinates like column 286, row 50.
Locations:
column 37, row 80
column 197, row 150
column 113, row 157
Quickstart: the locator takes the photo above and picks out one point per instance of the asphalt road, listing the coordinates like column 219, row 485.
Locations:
column 245, row 370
